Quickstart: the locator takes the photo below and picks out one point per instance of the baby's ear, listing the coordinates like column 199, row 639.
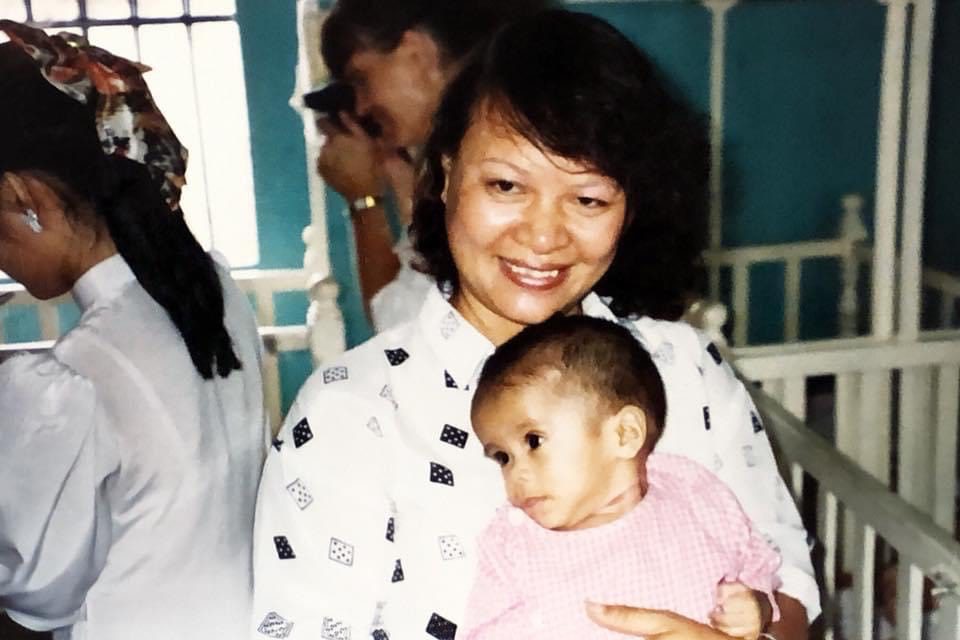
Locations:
column 627, row 431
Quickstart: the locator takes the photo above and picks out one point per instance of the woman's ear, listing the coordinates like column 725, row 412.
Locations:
column 18, row 186
column 446, row 163
column 627, row 431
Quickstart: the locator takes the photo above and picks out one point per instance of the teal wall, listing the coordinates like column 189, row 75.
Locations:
column 802, row 86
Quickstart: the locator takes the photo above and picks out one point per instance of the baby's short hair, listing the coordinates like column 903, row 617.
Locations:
column 599, row 357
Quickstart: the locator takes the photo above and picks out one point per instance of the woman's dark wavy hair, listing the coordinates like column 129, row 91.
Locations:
column 458, row 26
column 44, row 130
column 575, row 86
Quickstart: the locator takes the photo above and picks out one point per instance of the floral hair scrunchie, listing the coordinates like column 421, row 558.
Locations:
column 129, row 124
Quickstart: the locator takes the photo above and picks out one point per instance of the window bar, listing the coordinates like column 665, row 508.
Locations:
column 130, row 22
column 197, row 113
column 84, row 26
column 28, row 5
column 135, row 13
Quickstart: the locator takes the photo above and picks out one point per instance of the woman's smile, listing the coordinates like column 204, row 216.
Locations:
column 536, row 278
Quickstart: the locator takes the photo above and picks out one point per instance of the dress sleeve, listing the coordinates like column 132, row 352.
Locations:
column 495, row 598
column 748, row 468
column 754, row 562
column 55, row 461
column 323, row 560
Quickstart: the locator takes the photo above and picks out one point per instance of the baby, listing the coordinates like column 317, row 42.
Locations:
column 571, row 410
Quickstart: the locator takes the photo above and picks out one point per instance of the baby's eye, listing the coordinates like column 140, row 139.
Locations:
column 534, row 440
column 501, row 458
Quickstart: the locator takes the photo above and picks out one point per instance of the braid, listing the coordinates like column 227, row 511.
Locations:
column 168, row 262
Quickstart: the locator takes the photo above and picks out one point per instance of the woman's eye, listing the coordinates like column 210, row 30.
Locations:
column 534, row 440
column 501, row 458
column 503, row 186
column 593, row 203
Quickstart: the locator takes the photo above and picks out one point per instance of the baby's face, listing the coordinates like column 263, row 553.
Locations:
column 551, row 450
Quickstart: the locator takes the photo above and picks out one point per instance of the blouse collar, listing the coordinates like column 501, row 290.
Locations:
column 102, row 282
column 462, row 349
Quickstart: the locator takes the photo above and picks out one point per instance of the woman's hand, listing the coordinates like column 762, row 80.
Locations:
column 651, row 623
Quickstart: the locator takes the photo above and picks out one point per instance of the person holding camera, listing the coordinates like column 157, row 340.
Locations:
column 397, row 58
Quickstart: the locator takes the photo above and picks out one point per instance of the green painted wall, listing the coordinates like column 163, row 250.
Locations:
column 801, row 120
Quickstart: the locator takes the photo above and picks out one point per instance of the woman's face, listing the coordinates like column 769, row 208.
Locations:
column 42, row 261
column 531, row 233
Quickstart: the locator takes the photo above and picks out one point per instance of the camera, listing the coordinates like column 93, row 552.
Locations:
column 336, row 97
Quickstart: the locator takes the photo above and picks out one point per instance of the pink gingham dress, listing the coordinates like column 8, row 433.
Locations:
column 669, row 552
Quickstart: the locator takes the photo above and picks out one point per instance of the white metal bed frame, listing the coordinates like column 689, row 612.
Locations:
column 855, row 506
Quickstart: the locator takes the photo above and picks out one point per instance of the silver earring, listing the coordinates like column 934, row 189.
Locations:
column 33, row 220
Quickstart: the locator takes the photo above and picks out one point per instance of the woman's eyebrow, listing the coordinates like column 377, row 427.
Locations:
column 500, row 161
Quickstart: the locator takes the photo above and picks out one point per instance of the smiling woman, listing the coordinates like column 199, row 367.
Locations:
column 561, row 176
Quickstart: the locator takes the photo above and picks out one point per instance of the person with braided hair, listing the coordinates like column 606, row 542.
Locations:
column 130, row 453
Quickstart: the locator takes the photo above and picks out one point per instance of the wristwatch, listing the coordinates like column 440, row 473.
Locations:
column 363, row 203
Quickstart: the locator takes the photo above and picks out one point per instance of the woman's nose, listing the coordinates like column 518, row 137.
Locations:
column 543, row 228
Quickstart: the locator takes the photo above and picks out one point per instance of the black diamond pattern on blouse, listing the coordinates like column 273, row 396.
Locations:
column 441, row 628
column 452, row 435
column 714, row 353
column 302, row 433
column 284, row 550
column 440, row 474
column 397, row 572
column 396, row 357
column 449, row 381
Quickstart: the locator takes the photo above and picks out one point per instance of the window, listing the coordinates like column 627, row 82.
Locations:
column 193, row 47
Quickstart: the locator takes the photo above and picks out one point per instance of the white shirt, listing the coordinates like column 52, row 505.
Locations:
column 127, row 482
column 400, row 299
column 376, row 489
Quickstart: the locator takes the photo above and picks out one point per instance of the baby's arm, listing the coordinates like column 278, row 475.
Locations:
column 495, row 597
column 741, row 612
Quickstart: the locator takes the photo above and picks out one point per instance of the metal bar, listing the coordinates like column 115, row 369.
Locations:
column 915, row 157
column 774, row 388
column 827, row 528
column 945, row 451
column 894, row 520
column 718, row 44
column 915, row 474
column 791, row 307
column 874, row 428
column 888, row 170
column 741, row 303
column 795, row 396
column 909, row 601
column 730, row 256
column 49, row 321
column 845, row 356
column 865, row 557
column 947, row 626
column 134, row 22
column 203, row 142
